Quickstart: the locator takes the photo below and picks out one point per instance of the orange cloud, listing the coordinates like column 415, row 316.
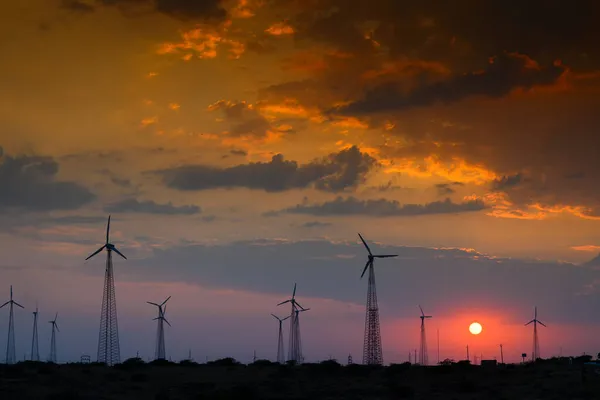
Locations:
column 174, row 106
column 204, row 42
column 588, row 247
column 458, row 170
column 148, row 121
column 279, row 29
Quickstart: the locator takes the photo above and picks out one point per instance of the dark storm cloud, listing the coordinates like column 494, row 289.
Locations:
column 316, row 224
column 334, row 173
column 150, row 207
column 382, row 208
column 445, row 189
column 450, row 279
column 29, row 183
column 505, row 73
column 180, row 9
column 507, row 181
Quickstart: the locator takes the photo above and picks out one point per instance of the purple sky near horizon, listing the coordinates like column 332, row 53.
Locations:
column 240, row 145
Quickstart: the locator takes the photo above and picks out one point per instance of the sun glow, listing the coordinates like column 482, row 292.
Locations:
column 475, row 328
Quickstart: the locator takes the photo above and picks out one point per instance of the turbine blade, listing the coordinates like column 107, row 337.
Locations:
column 56, row 326
column 422, row 313
column 154, row 304
column 164, row 319
column 4, row 304
column 154, row 319
column 18, row 304
column 542, row 324
column 119, row 253
column 386, row 255
column 285, row 318
column 55, row 317
column 283, row 302
column 294, row 294
column 365, row 270
column 275, row 316
column 163, row 303
column 298, row 304
column 108, row 230
column 529, row 322
column 96, row 252
column 365, row 243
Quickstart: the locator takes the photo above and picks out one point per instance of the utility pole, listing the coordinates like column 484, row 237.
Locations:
column 501, row 354
column 468, row 359
column 438, row 346
column 415, row 356
column 409, row 358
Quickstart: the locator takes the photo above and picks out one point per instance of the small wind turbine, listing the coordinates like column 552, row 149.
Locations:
column 53, row 339
column 536, row 344
column 11, row 358
column 293, row 346
column 280, row 350
column 35, row 352
column 160, row 332
column 372, row 349
column 423, row 356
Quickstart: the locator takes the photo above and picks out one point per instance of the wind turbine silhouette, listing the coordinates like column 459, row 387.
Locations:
column 10, row 343
column 280, row 350
column 160, row 332
column 536, row 344
column 423, row 356
column 293, row 346
column 53, row 339
column 109, row 351
column 372, row 350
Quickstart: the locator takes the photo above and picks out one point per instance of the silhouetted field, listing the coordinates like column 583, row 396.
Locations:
column 226, row 379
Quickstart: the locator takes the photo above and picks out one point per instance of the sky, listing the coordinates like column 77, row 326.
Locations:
column 241, row 145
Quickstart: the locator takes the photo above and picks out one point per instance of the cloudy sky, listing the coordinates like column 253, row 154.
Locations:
column 240, row 145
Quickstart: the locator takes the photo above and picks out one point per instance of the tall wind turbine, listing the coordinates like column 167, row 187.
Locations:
column 11, row 358
column 108, row 338
column 293, row 349
column 35, row 351
column 423, row 357
column 280, row 350
column 53, row 339
column 536, row 344
column 160, row 352
column 372, row 351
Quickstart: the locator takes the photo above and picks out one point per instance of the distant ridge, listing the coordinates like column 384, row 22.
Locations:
column 594, row 262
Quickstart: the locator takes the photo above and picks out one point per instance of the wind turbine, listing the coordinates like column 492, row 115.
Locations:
column 372, row 351
column 53, row 339
column 423, row 357
column 300, row 356
column 108, row 339
column 11, row 358
column 35, row 352
column 280, row 350
column 293, row 354
column 160, row 353
column 536, row 344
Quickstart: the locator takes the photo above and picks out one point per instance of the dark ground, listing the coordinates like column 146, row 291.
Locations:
column 225, row 379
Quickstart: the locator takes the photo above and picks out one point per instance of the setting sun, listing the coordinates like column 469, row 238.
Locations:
column 475, row 328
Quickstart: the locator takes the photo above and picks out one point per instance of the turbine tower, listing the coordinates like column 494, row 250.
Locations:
column 108, row 338
column 280, row 350
column 53, row 340
column 10, row 343
column 300, row 356
column 423, row 357
column 372, row 351
column 293, row 346
column 536, row 344
column 35, row 351
column 160, row 352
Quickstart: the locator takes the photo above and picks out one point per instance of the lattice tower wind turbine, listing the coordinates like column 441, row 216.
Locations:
column 35, row 349
column 10, row 343
column 109, row 351
column 300, row 355
column 423, row 356
column 535, row 354
column 160, row 352
column 280, row 349
column 293, row 341
column 52, row 357
column 372, row 349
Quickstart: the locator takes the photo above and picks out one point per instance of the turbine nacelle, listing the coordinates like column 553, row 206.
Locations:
column 108, row 246
column 371, row 256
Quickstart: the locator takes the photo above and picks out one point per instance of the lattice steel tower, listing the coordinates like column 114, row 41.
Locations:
column 423, row 357
column 11, row 358
column 372, row 350
column 280, row 349
column 35, row 350
column 52, row 357
column 160, row 352
column 535, row 354
column 108, row 339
